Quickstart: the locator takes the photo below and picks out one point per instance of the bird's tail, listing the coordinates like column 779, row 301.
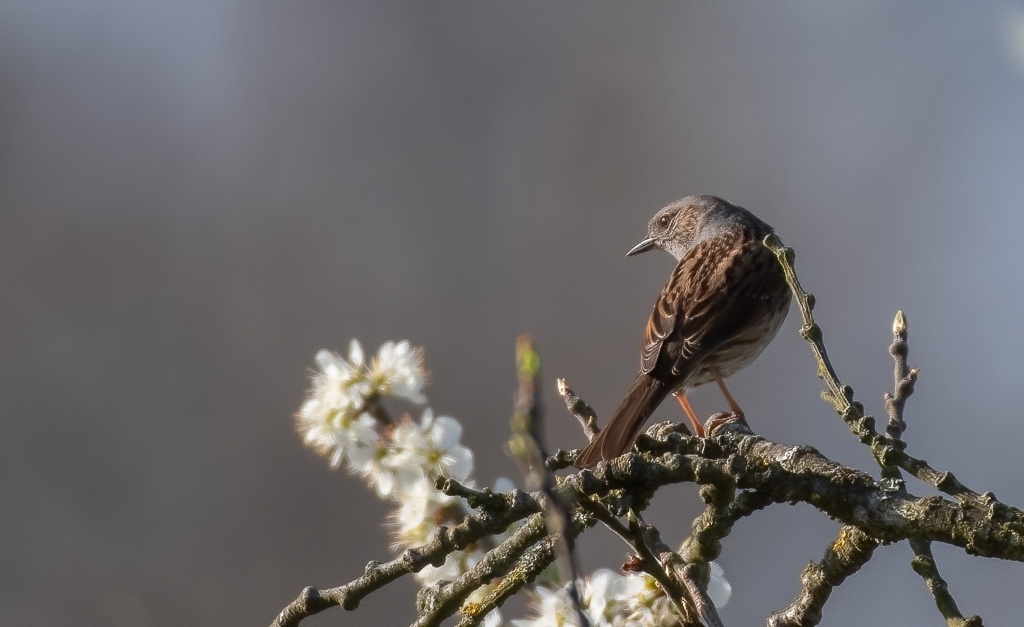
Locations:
column 617, row 437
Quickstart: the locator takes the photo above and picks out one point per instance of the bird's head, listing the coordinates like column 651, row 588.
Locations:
column 678, row 227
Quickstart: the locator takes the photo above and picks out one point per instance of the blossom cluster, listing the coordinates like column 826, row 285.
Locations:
column 343, row 419
column 611, row 599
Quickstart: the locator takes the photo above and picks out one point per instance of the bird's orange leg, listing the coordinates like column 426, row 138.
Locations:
column 721, row 419
column 692, row 415
column 733, row 405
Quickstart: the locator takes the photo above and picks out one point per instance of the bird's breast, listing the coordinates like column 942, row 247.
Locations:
column 742, row 349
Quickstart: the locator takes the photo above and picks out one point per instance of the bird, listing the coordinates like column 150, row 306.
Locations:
column 723, row 304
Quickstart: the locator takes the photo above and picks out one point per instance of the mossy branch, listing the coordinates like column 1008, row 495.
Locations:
column 739, row 474
column 845, row 556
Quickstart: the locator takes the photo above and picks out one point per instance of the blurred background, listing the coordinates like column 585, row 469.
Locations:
column 195, row 197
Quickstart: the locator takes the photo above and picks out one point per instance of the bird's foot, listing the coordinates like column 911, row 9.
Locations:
column 722, row 419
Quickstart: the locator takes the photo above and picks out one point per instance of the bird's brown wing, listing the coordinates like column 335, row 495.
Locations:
column 713, row 293
column 662, row 322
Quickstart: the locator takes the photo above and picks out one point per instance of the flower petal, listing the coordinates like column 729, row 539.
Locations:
column 459, row 462
column 446, row 432
column 355, row 354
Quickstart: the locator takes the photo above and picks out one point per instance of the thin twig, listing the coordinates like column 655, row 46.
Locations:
column 924, row 565
column 579, row 408
column 527, row 431
column 888, row 450
column 440, row 601
column 691, row 576
column 648, row 560
column 852, row 549
column 904, row 378
column 852, row 412
column 530, row 565
column 923, row 562
column 445, row 540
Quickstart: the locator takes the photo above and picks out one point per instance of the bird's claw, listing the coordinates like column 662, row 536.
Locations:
column 721, row 419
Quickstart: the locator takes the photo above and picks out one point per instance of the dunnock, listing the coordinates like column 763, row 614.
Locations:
column 722, row 306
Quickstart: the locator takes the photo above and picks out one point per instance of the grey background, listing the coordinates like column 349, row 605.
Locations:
column 196, row 197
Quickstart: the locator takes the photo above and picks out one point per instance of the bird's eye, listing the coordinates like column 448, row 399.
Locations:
column 664, row 221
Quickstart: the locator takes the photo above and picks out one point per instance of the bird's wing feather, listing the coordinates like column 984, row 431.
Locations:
column 660, row 325
column 712, row 294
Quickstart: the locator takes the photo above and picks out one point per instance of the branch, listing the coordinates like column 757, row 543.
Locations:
column 579, row 408
column 445, row 540
column 715, row 523
column 788, row 474
column 904, row 378
column 724, row 509
column 781, row 474
column 693, row 576
column 924, row 565
column 648, row 562
column 438, row 602
column 888, row 451
column 885, row 451
column 739, row 472
column 923, row 562
column 527, row 433
column 850, row 551
column 530, row 565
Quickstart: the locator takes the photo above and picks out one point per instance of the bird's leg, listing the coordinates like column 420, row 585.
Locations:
column 723, row 419
column 692, row 415
column 733, row 405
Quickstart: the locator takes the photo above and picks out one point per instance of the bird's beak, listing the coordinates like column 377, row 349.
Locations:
column 642, row 247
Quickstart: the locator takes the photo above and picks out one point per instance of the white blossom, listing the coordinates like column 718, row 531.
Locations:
column 719, row 588
column 503, row 485
column 609, row 599
column 384, row 466
column 355, row 354
column 493, row 618
column 419, row 512
column 325, row 421
column 650, row 606
column 433, row 445
column 337, row 384
column 398, row 371
column 326, row 429
column 606, row 594
column 342, row 389
column 652, row 609
column 454, row 565
column 553, row 610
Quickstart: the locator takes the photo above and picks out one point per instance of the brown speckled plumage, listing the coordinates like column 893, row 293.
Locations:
column 721, row 307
